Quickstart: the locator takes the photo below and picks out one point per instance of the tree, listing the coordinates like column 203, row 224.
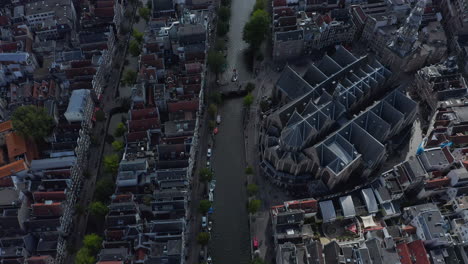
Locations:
column 149, row 4
column 144, row 13
column 130, row 77
column 137, row 35
column 98, row 209
column 259, row 5
column 226, row 2
column 254, row 205
column 120, row 130
column 216, row 98
column 203, row 238
column 147, row 200
column 125, row 104
column 117, row 145
column 252, row 189
column 100, row 115
column 205, row 174
column 256, row 29
column 104, row 189
column 224, row 13
column 249, row 170
column 204, row 206
column 212, row 110
column 216, row 61
column 222, row 28
column 134, row 48
column 93, row 243
column 248, row 100
column 84, row 256
column 220, row 44
column 249, row 87
column 211, row 124
column 79, row 209
column 32, row 122
column 257, row 260
column 111, row 163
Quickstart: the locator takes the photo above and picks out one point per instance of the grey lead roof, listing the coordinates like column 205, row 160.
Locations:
column 328, row 211
column 292, row 84
column 369, row 199
column 347, row 206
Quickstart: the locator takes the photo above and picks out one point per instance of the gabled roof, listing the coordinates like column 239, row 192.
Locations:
column 139, row 114
column 16, row 145
column 6, row 126
column 191, row 105
column 13, row 168
column 328, row 211
column 47, row 209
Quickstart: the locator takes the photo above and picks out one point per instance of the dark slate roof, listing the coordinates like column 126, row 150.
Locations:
column 290, row 35
column 292, row 84
column 162, row 5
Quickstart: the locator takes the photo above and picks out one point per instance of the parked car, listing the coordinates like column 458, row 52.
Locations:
column 218, row 119
column 208, row 164
column 203, row 221
column 208, row 153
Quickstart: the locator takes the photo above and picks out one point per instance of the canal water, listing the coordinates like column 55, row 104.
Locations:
column 230, row 242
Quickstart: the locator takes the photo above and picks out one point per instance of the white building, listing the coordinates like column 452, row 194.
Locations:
column 76, row 107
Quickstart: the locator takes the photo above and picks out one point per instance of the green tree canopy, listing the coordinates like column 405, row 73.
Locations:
column 204, row 206
column 205, row 174
column 248, row 100
column 226, row 2
column 222, row 28
column 257, row 260
column 118, row 145
column 130, row 77
column 259, row 5
column 224, row 13
column 203, row 238
column 32, row 121
column 212, row 110
column 220, row 44
column 134, row 48
column 111, row 163
column 137, row 35
column 252, row 189
column 250, row 87
column 93, row 243
column 104, row 189
column 100, row 115
column 84, row 256
column 249, row 170
column 256, row 29
column 145, row 13
column 216, row 98
column 149, row 4
column 120, row 130
column 254, row 205
column 216, row 61
column 98, row 209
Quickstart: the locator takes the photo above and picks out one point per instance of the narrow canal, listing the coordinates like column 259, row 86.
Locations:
column 230, row 243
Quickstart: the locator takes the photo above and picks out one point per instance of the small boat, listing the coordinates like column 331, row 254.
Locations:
column 421, row 146
column 212, row 185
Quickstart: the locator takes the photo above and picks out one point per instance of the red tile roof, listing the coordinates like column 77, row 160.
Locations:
column 403, row 252
column 418, row 252
column 109, row 3
column 183, row 106
column 195, row 67
column 136, row 136
column 277, row 3
column 4, row 20
column 16, row 145
column 80, row 63
column 143, row 125
column 123, row 198
column 40, row 259
column 409, row 229
column 105, row 12
column 307, row 205
column 9, row 47
column 12, row 168
column 146, row 113
column 45, row 209
column 40, row 197
column 436, row 183
column 71, row 73
column 6, row 126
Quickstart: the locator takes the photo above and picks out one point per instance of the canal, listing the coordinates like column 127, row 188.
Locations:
column 230, row 242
